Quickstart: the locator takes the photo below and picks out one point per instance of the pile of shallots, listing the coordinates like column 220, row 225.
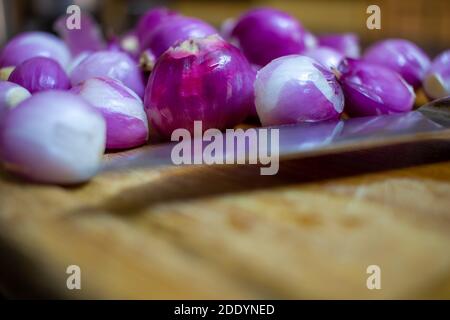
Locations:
column 65, row 100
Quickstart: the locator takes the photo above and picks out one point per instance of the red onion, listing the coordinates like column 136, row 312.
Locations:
column 437, row 80
column 152, row 19
column 200, row 79
column 40, row 74
column 371, row 89
column 53, row 137
column 174, row 30
column 328, row 57
column 264, row 34
column 122, row 109
column 11, row 94
column 294, row 89
column 112, row 64
column 87, row 38
column 402, row 56
column 345, row 43
column 34, row 44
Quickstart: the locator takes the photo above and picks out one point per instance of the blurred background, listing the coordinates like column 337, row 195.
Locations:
column 422, row 21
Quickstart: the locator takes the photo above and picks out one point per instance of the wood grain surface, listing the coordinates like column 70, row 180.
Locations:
column 226, row 232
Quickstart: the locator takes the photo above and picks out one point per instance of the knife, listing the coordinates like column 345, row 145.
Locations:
column 429, row 122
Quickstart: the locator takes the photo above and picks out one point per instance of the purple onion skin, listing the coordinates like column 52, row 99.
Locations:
column 437, row 80
column 371, row 89
column 345, row 43
column 206, row 79
column 40, row 74
column 402, row 56
column 175, row 30
column 76, row 61
column 53, row 137
column 122, row 109
column 113, row 64
column 294, row 89
column 34, row 44
column 265, row 34
column 11, row 94
column 328, row 57
column 152, row 19
column 87, row 38
column 114, row 44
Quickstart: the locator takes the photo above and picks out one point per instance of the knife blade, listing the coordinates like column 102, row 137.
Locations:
column 429, row 122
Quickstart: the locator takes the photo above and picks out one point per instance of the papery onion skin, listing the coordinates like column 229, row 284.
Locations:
column 152, row 19
column 53, row 137
column 402, row 56
column 40, row 74
column 207, row 79
column 87, row 38
column 175, row 30
column 113, row 64
column 371, row 89
column 34, row 44
column 122, row 109
column 264, row 34
column 437, row 80
column 295, row 89
column 345, row 43
column 328, row 57
column 11, row 94
column 147, row 60
column 5, row 73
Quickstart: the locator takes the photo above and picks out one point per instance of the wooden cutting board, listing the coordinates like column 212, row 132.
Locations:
column 226, row 232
